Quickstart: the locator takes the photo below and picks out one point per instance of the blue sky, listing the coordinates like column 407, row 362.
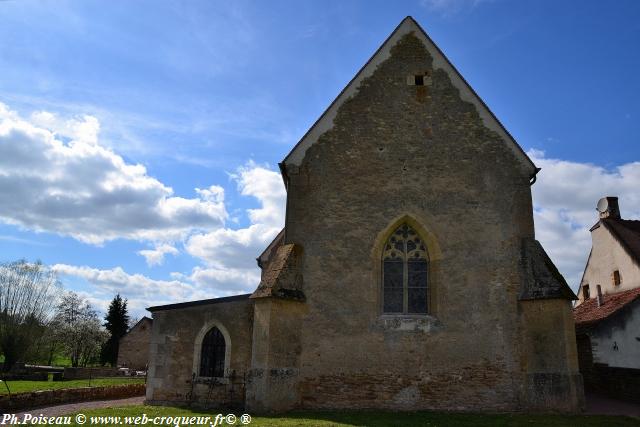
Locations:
column 211, row 95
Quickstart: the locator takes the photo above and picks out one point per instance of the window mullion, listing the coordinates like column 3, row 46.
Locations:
column 405, row 280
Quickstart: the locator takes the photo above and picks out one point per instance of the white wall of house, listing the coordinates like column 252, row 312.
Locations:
column 607, row 255
column 616, row 342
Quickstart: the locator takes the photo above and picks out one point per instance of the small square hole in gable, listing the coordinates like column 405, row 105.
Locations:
column 419, row 80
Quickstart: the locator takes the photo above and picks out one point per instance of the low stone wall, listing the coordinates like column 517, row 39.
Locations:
column 44, row 368
column 85, row 373
column 37, row 399
column 618, row 383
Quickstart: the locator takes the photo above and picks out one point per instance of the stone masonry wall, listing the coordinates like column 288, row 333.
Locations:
column 170, row 377
column 133, row 349
column 420, row 154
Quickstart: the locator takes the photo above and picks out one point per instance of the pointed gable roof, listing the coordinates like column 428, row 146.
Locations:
column 627, row 233
column 440, row 61
column 139, row 322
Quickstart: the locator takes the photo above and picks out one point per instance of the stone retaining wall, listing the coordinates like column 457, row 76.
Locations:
column 40, row 398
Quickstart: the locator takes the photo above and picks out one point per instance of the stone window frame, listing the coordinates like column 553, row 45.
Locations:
column 406, row 247
column 435, row 256
column 197, row 351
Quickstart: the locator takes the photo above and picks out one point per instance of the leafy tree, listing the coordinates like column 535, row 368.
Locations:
column 27, row 298
column 117, row 323
column 49, row 345
column 79, row 330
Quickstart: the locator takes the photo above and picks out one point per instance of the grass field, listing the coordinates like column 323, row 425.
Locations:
column 382, row 419
column 58, row 360
column 24, row 386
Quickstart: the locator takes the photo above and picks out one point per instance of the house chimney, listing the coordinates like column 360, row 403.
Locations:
column 600, row 297
column 608, row 207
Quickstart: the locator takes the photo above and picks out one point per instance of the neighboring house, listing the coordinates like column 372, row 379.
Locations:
column 608, row 314
column 133, row 350
column 614, row 261
column 407, row 275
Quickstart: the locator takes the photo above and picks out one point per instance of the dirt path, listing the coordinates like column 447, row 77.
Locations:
column 52, row 411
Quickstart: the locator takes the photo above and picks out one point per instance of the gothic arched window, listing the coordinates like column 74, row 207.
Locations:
column 404, row 273
column 212, row 354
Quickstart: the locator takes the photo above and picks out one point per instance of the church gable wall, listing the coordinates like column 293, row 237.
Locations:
column 419, row 152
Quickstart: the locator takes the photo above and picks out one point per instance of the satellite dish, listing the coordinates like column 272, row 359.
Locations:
column 603, row 205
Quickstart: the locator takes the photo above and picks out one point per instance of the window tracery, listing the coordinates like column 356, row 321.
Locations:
column 405, row 273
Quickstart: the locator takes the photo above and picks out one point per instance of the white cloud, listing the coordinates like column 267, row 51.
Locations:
column 140, row 290
column 266, row 186
column 56, row 177
column 156, row 256
column 227, row 280
column 238, row 248
column 565, row 196
column 228, row 254
column 85, row 128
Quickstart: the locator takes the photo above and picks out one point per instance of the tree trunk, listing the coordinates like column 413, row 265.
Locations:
column 11, row 350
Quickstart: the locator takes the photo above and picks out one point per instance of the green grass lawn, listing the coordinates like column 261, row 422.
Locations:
column 24, row 386
column 380, row 419
column 58, row 360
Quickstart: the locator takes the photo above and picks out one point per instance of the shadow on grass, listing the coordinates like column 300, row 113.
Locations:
column 436, row 419
column 378, row 418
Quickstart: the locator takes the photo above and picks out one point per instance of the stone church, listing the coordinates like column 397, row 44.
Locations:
column 407, row 275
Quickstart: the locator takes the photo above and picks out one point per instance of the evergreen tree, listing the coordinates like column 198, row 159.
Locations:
column 117, row 324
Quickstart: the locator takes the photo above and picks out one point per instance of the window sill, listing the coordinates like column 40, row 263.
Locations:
column 423, row 323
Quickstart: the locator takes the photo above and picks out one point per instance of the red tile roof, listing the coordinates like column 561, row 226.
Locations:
column 589, row 313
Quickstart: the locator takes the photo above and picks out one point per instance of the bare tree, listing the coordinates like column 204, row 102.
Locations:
column 27, row 297
column 133, row 321
column 79, row 329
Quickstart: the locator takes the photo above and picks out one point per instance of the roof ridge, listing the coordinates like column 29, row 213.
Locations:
column 621, row 219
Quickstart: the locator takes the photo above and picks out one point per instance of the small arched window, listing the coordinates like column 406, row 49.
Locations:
column 405, row 273
column 212, row 354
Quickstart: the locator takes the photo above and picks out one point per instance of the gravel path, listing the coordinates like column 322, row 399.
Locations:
column 52, row 411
